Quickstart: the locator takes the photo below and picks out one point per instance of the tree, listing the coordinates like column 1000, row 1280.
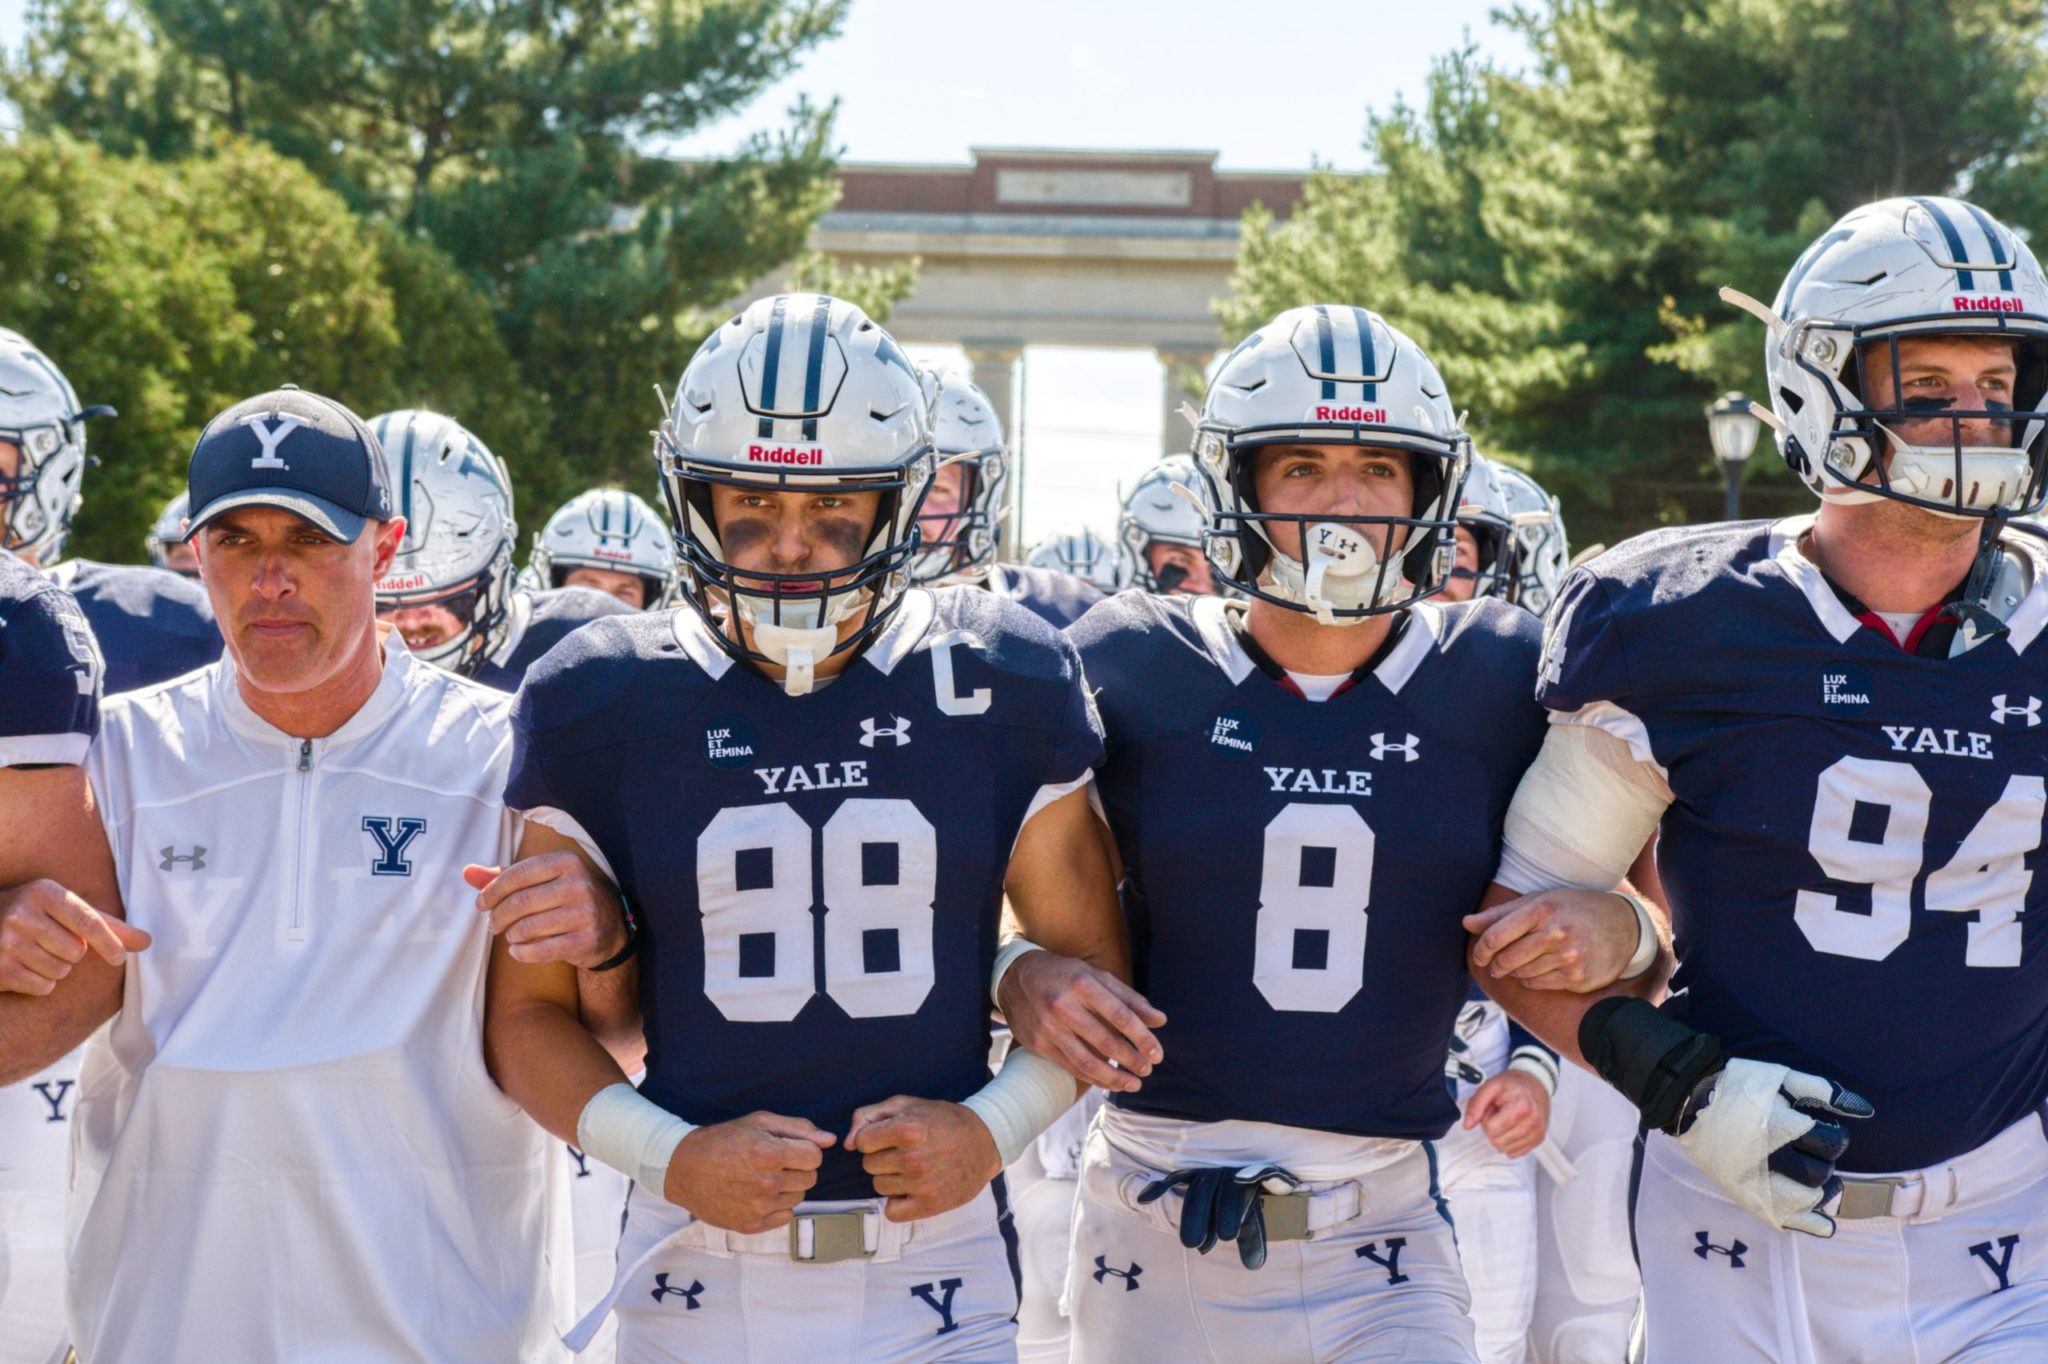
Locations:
column 520, row 141
column 1556, row 238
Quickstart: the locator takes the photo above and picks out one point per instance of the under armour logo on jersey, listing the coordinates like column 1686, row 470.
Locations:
column 271, row 436
column 942, row 1305
column 196, row 859
column 54, row 1094
column 1392, row 1263
column 1381, row 748
column 2031, row 710
column 2002, row 1266
column 393, row 837
column 689, row 1295
column 899, row 734
column 1706, row 1248
column 1129, row 1276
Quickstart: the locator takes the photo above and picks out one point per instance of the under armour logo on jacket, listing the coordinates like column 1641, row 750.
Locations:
column 1381, row 748
column 196, row 859
column 899, row 734
column 2031, row 710
column 1129, row 1276
column 689, row 1295
column 271, row 428
column 393, row 837
column 1706, row 1248
column 942, row 1305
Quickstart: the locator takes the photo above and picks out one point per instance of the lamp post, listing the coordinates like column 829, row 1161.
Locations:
column 1733, row 429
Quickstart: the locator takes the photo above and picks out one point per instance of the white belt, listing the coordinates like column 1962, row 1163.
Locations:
column 2013, row 1158
column 1298, row 1216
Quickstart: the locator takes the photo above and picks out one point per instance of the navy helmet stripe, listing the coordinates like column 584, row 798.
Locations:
column 1990, row 230
column 1368, row 363
column 771, row 364
column 405, row 476
column 1964, row 278
column 814, row 363
column 1326, row 349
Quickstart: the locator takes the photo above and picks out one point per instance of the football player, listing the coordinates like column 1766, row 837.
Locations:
column 1485, row 562
column 166, row 544
column 49, row 713
column 450, row 589
column 1081, row 552
column 1335, row 752
column 151, row 626
column 814, row 786
column 960, row 522
column 1160, row 529
column 608, row 540
column 1541, row 554
column 1834, row 719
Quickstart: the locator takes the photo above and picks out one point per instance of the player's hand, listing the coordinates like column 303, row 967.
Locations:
column 746, row 1175
column 1765, row 1134
column 926, row 1157
column 1513, row 1108
column 1081, row 1018
column 551, row 908
column 1565, row 939
column 45, row 930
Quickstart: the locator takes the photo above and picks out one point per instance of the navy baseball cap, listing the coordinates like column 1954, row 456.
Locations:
column 295, row 450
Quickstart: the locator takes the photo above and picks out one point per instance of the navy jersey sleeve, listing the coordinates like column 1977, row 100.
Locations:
column 1075, row 747
column 562, row 697
column 1584, row 657
column 50, row 675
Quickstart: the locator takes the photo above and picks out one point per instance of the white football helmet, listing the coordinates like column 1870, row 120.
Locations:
column 1542, row 553
column 40, row 416
column 456, row 499
column 966, row 431
column 167, row 530
column 606, row 528
column 1901, row 268
column 1331, row 375
column 1084, row 554
column 800, row 393
column 1483, row 513
column 1154, row 513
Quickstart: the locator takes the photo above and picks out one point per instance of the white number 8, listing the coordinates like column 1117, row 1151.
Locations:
column 1333, row 844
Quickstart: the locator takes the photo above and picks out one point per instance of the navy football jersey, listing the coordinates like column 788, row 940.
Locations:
column 1262, row 833
column 818, row 879
column 540, row 621
column 49, row 671
column 1057, row 598
column 1851, row 850
column 151, row 625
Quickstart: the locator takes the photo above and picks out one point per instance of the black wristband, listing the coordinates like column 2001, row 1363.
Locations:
column 626, row 953
column 1651, row 1057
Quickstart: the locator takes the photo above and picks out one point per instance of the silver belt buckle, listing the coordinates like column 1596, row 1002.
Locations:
column 1286, row 1216
column 1864, row 1198
column 835, row 1236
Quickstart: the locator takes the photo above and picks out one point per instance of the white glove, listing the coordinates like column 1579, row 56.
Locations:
column 1762, row 1132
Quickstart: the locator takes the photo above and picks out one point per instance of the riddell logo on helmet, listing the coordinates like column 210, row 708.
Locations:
column 1988, row 303
column 602, row 553
column 1358, row 415
column 785, row 454
column 403, row 583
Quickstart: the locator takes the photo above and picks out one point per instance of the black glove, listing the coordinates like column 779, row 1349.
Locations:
column 1222, row 1204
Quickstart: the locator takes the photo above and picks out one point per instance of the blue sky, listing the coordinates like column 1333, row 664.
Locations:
column 1267, row 86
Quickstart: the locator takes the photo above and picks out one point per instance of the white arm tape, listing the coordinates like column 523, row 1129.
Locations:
column 1026, row 1096
column 1582, row 812
column 1645, row 955
column 634, row 1136
column 1537, row 1062
column 1006, row 957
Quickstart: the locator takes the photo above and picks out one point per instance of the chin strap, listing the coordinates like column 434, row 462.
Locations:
column 1975, row 612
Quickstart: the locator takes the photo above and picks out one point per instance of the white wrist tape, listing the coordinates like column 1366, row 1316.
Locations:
column 1646, row 939
column 633, row 1135
column 1026, row 1096
column 1537, row 1062
column 1006, row 957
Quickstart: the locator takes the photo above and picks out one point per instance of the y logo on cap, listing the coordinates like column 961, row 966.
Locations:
column 271, row 428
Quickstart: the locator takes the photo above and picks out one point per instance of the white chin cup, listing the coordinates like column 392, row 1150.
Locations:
column 1993, row 475
column 806, row 635
column 1341, row 574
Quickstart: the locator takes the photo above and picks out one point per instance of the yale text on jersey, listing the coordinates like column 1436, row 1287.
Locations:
column 1942, row 743
column 781, row 781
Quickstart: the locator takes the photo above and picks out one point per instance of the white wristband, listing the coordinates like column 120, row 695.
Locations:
column 1006, row 957
column 1026, row 1096
column 1537, row 1062
column 1646, row 939
column 633, row 1135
